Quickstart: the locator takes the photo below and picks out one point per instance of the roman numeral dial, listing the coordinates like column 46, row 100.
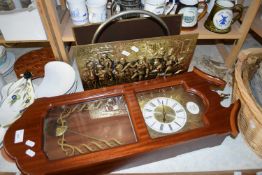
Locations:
column 164, row 115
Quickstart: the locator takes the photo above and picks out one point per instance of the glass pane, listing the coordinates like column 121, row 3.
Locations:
column 87, row 127
column 170, row 110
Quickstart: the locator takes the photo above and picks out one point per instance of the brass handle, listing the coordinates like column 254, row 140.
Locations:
column 239, row 10
column 128, row 12
column 203, row 13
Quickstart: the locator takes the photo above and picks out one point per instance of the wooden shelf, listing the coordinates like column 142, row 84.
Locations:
column 257, row 23
column 61, row 31
column 67, row 35
column 206, row 34
column 3, row 41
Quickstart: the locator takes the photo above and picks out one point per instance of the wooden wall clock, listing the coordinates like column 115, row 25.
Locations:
column 103, row 129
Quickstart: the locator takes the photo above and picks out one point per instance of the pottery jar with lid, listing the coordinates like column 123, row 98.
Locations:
column 192, row 11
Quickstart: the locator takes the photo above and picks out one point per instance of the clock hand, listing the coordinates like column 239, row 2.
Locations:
column 167, row 114
column 164, row 112
column 173, row 116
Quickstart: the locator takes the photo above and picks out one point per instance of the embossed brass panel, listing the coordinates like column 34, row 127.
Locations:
column 106, row 64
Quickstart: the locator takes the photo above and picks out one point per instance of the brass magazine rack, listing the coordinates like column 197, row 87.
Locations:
column 111, row 63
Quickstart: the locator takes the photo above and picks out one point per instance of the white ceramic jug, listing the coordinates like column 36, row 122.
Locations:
column 78, row 11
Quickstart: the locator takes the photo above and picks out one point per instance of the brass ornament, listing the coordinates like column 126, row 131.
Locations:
column 106, row 64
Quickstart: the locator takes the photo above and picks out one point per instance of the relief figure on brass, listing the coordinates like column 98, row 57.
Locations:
column 106, row 64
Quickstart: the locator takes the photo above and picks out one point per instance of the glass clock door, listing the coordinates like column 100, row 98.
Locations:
column 83, row 128
column 170, row 110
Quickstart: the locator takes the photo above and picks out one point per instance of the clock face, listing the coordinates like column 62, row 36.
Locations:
column 170, row 110
column 164, row 115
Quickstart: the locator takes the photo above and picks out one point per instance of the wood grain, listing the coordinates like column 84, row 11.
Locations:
column 217, row 127
column 34, row 62
column 244, row 29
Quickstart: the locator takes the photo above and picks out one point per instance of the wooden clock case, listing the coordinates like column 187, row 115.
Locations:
column 219, row 123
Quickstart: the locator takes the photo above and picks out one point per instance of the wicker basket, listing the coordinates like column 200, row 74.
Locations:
column 250, row 115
